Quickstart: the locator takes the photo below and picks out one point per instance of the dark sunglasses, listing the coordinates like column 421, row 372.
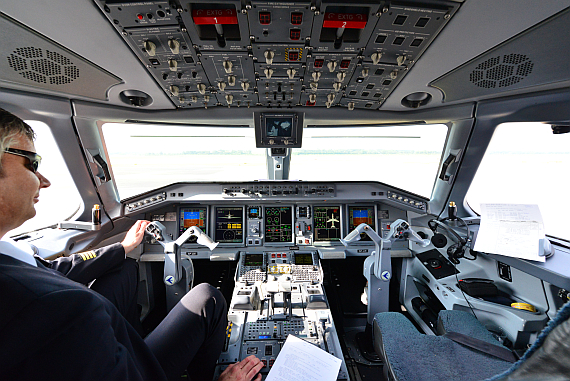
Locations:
column 33, row 157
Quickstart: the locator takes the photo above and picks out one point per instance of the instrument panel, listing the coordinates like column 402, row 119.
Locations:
column 266, row 215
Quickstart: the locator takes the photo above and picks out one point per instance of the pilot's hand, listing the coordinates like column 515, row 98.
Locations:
column 134, row 236
column 244, row 370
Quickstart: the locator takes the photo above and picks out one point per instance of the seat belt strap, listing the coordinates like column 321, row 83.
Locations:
column 482, row 346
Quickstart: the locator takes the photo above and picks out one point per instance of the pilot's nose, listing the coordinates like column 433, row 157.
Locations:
column 44, row 182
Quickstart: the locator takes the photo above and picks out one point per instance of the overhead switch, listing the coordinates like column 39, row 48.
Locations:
column 222, row 86
column 316, row 75
column 201, row 88
column 231, row 80
column 245, row 86
column 291, row 73
column 174, row 90
column 172, row 65
column 268, row 73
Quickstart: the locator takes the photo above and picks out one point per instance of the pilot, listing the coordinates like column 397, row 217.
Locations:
column 53, row 327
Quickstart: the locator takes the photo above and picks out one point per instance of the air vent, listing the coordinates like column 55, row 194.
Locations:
column 501, row 71
column 43, row 66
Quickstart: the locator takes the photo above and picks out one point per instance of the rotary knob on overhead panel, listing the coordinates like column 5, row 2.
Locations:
column 174, row 46
column 316, row 75
column 337, row 86
column 150, row 48
column 268, row 73
column 291, row 73
column 350, row 106
column 174, row 90
column 341, row 75
column 245, row 86
column 222, row 86
column 332, row 66
column 312, row 98
column 231, row 80
column 172, row 65
column 365, row 72
column 201, row 88
column 268, row 54
column 229, row 98
column 376, row 56
column 314, row 85
column 228, row 65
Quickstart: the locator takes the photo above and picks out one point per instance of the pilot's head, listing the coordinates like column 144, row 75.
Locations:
column 20, row 181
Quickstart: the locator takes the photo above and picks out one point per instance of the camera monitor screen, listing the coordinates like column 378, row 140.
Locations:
column 361, row 214
column 192, row 216
column 278, row 130
column 279, row 224
column 327, row 223
column 229, row 225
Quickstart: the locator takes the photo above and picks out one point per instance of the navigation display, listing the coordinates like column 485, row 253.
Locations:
column 361, row 214
column 279, row 126
column 192, row 216
column 327, row 223
column 279, row 224
column 229, row 225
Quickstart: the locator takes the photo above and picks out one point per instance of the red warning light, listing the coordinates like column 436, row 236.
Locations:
column 345, row 20
column 214, row 16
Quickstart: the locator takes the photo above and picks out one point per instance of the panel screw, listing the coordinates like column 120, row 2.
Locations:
column 447, row 16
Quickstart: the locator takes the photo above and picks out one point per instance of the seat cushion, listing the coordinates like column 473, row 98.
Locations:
column 465, row 323
column 411, row 356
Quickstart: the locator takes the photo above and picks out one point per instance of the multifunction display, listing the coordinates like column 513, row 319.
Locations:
column 229, row 225
column 303, row 259
column 327, row 223
column 192, row 216
column 279, row 224
column 361, row 214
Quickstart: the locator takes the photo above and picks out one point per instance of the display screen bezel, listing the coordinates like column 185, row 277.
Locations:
column 264, row 140
column 265, row 216
column 214, row 230
column 205, row 228
column 363, row 237
column 340, row 223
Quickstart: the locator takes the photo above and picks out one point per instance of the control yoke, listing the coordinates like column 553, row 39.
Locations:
column 172, row 256
column 399, row 229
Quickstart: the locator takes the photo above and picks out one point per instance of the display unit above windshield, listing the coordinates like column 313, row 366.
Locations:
column 278, row 130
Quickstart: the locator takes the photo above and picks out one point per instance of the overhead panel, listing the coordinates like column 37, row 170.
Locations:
column 529, row 59
column 279, row 54
column 30, row 59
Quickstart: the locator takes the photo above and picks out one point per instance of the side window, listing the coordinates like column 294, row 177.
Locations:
column 61, row 200
column 526, row 163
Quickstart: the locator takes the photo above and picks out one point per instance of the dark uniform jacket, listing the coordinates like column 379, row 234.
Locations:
column 52, row 328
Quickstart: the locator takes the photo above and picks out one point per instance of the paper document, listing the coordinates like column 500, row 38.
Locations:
column 302, row 361
column 514, row 230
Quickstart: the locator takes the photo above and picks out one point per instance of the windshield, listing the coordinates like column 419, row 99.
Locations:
column 144, row 157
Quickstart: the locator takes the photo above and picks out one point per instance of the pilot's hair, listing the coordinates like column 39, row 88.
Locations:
column 11, row 126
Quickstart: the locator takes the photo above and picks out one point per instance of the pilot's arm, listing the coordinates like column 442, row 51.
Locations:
column 87, row 266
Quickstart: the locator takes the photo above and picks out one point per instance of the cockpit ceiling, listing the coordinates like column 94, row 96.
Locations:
column 368, row 55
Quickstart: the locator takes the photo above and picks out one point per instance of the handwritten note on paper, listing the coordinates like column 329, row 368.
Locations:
column 300, row 360
column 514, row 230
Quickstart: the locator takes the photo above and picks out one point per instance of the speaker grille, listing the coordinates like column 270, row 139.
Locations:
column 43, row 66
column 501, row 71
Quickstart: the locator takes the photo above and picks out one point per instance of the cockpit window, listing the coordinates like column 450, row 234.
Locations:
column 144, row 157
column 403, row 156
column 526, row 163
column 62, row 191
